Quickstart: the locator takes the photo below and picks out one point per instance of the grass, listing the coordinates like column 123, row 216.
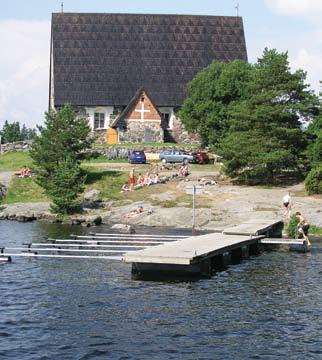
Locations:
column 103, row 159
column 314, row 230
column 13, row 161
column 161, row 145
column 109, row 182
column 24, row 190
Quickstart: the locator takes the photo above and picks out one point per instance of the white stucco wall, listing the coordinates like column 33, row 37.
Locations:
column 170, row 111
column 107, row 110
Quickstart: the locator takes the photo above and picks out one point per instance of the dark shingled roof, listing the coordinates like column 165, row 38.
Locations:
column 103, row 59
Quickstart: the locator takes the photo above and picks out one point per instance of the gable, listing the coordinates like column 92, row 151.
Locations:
column 144, row 110
column 101, row 59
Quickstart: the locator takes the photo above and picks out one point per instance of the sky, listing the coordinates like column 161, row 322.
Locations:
column 287, row 25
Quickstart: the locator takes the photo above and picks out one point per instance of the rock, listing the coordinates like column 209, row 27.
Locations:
column 93, row 220
column 123, row 228
column 3, row 191
column 93, row 196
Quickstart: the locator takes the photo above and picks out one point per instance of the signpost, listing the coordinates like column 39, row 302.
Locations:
column 193, row 190
column 0, row 145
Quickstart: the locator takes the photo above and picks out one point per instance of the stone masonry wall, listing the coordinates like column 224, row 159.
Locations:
column 138, row 132
column 16, row 146
column 181, row 135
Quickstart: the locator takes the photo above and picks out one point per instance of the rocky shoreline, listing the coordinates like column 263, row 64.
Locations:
column 226, row 205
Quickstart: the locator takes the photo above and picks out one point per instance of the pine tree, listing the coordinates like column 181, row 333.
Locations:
column 57, row 152
column 266, row 137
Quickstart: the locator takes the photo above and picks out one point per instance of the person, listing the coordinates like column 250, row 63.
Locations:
column 184, row 170
column 140, row 181
column 132, row 178
column 302, row 226
column 23, row 172
column 287, row 202
column 135, row 212
column 126, row 187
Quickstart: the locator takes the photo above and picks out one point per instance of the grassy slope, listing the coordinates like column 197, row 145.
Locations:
column 13, row 161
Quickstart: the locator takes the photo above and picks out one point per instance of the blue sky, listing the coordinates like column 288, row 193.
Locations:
column 287, row 25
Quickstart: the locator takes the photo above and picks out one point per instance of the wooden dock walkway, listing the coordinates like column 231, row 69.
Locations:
column 202, row 255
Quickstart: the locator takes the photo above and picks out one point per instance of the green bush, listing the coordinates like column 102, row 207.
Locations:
column 291, row 228
column 313, row 181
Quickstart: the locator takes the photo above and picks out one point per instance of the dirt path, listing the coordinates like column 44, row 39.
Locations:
column 5, row 177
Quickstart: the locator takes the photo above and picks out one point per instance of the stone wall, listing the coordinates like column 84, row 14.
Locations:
column 181, row 136
column 138, row 132
column 16, row 146
column 122, row 152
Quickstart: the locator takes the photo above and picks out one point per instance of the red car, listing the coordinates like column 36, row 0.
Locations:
column 202, row 157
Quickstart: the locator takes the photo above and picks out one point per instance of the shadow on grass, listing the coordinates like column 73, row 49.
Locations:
column 94, row 175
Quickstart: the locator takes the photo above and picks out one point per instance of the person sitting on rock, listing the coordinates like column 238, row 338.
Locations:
column 135, row 212
column 183, row 170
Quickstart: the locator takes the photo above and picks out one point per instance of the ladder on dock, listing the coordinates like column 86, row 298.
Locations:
column 94, row 246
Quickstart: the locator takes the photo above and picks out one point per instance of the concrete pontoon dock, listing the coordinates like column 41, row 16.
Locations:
column 202, row 255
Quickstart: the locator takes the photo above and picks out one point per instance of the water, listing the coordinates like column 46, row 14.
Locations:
column 269, row 307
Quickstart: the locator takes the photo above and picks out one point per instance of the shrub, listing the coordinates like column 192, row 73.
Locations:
column 313, row 181
column 291, row 228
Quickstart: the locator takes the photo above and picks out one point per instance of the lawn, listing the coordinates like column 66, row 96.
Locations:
column 13, row 161
column 24, row 190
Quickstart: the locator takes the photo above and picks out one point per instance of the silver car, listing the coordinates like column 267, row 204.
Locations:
column 176, row 156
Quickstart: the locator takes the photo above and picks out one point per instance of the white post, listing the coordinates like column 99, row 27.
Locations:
column 193, row 210
column 0, row 145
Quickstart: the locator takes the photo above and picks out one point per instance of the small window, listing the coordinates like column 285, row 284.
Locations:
column 99, row 121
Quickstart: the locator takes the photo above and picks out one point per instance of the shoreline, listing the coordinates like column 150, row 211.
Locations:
column 219, row 206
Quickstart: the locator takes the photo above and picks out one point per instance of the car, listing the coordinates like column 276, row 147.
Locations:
column 202, row 157
column 177, row 156
column 137, row 157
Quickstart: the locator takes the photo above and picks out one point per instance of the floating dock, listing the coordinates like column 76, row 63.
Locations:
column 201, row 256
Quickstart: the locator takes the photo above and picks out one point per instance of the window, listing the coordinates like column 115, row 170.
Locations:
column 99, row 121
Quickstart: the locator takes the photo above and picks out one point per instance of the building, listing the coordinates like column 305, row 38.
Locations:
column 128, row 72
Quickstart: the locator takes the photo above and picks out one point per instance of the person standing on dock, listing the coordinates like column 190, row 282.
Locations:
column 287, row 203
column 303, row 226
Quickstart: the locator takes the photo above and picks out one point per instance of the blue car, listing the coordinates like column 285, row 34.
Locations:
column 137, row 157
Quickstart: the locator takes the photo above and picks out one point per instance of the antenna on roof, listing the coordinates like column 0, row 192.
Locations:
column 237, row 9
column 62, row 7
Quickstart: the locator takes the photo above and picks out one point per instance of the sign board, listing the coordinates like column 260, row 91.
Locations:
column 190, row 189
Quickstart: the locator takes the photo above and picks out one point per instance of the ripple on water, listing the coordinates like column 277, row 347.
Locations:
column 266, row 308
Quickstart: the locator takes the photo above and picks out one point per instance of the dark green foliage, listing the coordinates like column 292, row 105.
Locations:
column 265, row 138
column 313, row 181
column 64, row 185
column 291, row 227
column 314, row 132
column 61, row 144
column 211, row 95
column 12, row 132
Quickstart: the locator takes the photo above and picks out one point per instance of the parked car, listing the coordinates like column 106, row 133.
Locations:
column 177, row 156
column 202, row 157
column 137, row 157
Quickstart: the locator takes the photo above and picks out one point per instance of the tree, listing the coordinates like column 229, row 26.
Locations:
column 210, row 97
column 266, row 137
column 57, row 152
column 314, row 131
column 313, row 181
column 11, row 132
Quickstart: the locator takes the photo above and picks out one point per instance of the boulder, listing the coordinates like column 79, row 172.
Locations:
column 93, row 196
column 123, row 228
column 3, row 191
